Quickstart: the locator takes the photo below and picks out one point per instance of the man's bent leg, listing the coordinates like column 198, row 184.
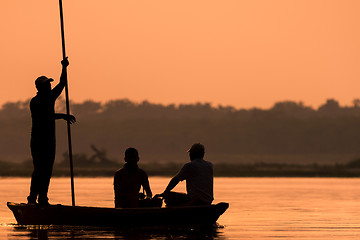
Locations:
column 34, row 187
column 45, row 179
column 43, row 199
column 176, row 199
column 44, row 186
column 35, row 177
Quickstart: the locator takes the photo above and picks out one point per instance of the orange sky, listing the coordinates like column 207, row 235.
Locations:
column 241, row 53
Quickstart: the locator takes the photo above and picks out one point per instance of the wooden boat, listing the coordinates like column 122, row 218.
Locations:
column 34, row 214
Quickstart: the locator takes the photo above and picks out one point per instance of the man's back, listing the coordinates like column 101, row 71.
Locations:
column 129, row 181
column 199, row 179
column 42, row 114
column 127, row 184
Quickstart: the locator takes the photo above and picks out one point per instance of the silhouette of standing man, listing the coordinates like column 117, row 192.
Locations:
column 42, row 142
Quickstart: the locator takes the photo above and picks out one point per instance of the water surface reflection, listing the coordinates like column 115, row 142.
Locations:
column 260, row 208
column 70, row 232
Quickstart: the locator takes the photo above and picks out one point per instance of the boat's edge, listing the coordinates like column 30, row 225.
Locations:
column 29, row 214
column 222, row 205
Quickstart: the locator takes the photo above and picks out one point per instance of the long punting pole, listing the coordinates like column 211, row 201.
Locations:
column 67, row 105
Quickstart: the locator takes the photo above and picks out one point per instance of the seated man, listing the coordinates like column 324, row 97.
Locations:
column 199, row 181
column 128, row 181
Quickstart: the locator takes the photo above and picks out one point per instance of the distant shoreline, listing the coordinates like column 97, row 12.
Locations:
column 220, row 170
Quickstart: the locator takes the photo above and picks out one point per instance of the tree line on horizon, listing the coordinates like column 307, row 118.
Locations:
column 164, row 132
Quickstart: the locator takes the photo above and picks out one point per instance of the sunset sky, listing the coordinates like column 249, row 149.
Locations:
column 241, row 53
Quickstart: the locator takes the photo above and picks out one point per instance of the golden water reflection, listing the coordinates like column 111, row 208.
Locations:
column 260, row 208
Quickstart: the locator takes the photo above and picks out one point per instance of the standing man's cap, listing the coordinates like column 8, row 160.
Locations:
column 197, row 147
column 42, row 80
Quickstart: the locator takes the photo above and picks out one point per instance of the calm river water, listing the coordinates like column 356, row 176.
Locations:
column 260, row 208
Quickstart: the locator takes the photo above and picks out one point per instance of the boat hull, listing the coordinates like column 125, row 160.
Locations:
column 33, row 214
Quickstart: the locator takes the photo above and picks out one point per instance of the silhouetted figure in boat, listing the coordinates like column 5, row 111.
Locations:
column 42, row 141
column 128, row 181
column 198, row 174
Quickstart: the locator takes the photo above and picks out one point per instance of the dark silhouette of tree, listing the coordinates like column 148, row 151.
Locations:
column 86, row 108
column 356, row 103
column 331, row 107
column 292, row 109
